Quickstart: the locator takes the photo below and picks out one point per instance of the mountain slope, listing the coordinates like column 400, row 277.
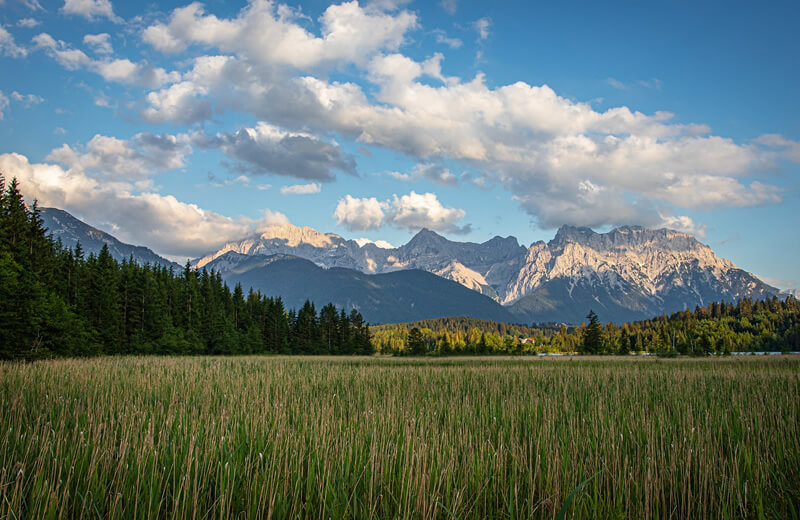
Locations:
column 381, row 298
column 628, row 273
column 71, row 230
column 464, row 262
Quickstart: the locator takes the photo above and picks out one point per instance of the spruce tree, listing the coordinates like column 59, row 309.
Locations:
column 593, row 335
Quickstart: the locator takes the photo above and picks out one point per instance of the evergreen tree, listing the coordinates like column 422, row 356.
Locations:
column 593, row 335
column 416, row 342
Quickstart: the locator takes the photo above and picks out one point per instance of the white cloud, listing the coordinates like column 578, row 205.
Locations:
column 412, row 211
column 99, row 43
column 685, row 224
column 653, row 83
column 3, row 104
column 268, row 34
column 33, row 5
column 171, row 227
column 786, row 148
column 431, row 171
column 400, row 176
column 116, row 70
column 540, row 146
column 449, row 5
column 436, row 173
column 359, row 214
column 9, row 47
column 180, row 103
column 782, row 284
column 28, row 23
column 90, row 9
column 119, row 159
column 617, row 84
column 385, row 5
column 27, row 99
column 301, row 189
column 453, row 43
column 423, row 210
column 482, row 26
column 267, row 148
column 272, row 218
column 383, row 244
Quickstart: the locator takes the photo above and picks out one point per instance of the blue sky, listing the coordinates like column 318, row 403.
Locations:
column 182, row 126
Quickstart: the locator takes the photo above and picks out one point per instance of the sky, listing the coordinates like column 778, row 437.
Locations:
column 182, row 126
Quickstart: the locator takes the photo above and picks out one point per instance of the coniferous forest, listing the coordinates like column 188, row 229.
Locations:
column 56, row 301
column 718, row 328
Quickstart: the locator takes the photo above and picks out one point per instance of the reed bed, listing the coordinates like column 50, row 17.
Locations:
column 288, row 437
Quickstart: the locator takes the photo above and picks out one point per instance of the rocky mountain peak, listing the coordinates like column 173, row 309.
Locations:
column 425, row 235
column 626, row 238
column 295, row 235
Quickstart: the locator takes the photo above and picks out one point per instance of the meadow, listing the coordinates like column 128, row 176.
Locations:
column 377, row 437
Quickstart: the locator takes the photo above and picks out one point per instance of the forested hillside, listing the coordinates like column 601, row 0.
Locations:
column 763, row 325
column 54, row 301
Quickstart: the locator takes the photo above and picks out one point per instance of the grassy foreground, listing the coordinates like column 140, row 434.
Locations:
column 388, row 438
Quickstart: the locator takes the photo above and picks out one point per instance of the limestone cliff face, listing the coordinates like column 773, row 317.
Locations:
column 630, row 271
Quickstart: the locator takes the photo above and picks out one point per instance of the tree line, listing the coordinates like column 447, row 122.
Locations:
column 57, row 301
column 748, row 325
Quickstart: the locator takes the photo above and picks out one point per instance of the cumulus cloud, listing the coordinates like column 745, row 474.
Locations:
column 360, row 214
column 116, row 70
column 90, row 9
column 99, row 43
column 423, row 210
column 180, row 103
column 564, row 161
column 301, row 189
column 269, row 149
column 685, row 224
column 28, row 23
column 412, row 211
column 268, row 34
column 171, row 227
column 111, row 158
column 9, row 47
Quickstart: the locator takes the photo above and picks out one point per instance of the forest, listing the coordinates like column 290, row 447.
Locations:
column 56, row 301
column 718, row 328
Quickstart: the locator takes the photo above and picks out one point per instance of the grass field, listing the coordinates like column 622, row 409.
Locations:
column 400, row 438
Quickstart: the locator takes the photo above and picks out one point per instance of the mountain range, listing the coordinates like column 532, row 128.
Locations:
column 71, row 230
column 626, row 274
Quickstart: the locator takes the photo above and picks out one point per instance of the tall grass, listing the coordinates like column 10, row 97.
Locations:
column 399, row 438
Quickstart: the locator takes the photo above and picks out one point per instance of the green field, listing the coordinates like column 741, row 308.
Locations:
column 282, row 437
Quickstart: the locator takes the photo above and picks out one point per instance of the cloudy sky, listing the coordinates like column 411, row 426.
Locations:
column 181, row 126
